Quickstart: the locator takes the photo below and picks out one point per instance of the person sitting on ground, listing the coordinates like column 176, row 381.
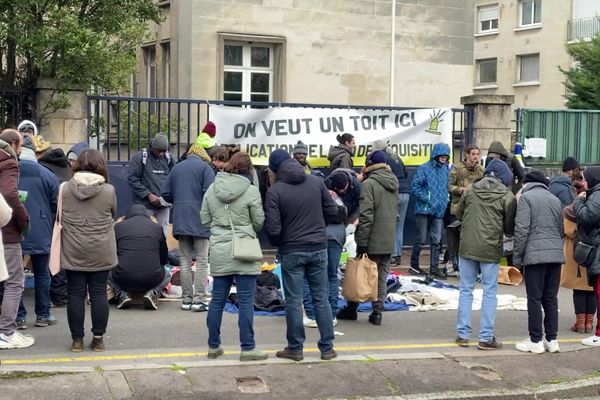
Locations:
column 340, row 156
column 142, row 253
column 562, row 185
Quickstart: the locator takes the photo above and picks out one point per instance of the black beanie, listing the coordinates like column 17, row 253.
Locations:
column 339, row 180
column 276, row 158
column 569, row 164
column 536, row 176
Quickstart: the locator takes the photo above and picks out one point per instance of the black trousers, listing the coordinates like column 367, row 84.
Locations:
column 79, row 283
column 58, row 288
column 585, row 301
column 542, row 282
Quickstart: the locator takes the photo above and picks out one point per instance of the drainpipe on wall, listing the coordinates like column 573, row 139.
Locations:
column 393, row 54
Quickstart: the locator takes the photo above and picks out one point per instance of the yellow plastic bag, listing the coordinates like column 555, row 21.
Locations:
column 360, row 280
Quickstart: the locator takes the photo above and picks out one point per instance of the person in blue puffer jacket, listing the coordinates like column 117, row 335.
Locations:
column 430, row 188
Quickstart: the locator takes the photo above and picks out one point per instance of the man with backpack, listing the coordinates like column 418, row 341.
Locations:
column 148, row 170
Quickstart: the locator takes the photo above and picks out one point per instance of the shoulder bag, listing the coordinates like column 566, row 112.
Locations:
column 243, row 248
column 55, row 248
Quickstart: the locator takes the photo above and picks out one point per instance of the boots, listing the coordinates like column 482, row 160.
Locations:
column 580, row 323
column 350, row 312
column 589, row 323
column 375, row 317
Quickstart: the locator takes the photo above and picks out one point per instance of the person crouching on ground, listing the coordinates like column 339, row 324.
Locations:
column 491, row 200
column 538, row 251
column 142, row 252
column 232, row 204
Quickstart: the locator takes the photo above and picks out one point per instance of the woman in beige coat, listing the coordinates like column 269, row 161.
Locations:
column 575, row 277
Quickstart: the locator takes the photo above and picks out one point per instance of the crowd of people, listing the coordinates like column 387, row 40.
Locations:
column 219, row 202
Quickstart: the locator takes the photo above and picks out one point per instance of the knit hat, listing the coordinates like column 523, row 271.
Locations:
column 339, row 180
column 210, row 129
column 40, row 144
column 569, row 164
column 536, row 176
column 499, row 169
column 300, row 148
column 376, row 157
column 160, row 142
column 26, row 125
column 276, row 158
column 76, row 150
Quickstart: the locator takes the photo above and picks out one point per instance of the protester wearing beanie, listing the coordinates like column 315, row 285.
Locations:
column 538, row 250
column 562, row 185
column 206, row 139
column 276, row 158
column 344, row 182
column 491, row 200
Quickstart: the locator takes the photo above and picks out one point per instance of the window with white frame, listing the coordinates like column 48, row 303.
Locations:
column 150, row 73
column 530, row 12
column 488, row 18
column 247, row 71
column 486, row 71
column 529, row 68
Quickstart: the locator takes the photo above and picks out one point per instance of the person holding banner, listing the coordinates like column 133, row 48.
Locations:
column 340, row 156
column 430, row 188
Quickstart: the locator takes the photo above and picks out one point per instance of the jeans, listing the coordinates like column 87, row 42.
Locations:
column 246, row 290
column 541, row 283
column 427, row 224
column 79, row 283
column 41, row 276
column 489, row 282
column 13, row 288
column 199, row 246
column 403, row 200
column 294, row 267
column 334, row 252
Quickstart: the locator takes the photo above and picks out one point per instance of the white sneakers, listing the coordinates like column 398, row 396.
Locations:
column 528, row 346
column 591, row 341
column 16, row 341
column 311, row 323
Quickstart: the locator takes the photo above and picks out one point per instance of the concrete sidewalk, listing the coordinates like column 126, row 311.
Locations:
column 449, row 373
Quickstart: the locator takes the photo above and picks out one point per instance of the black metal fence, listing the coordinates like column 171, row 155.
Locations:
column 15, row 106
column 122, row 125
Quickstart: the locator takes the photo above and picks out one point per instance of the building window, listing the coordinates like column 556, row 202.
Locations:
column 150, row 65
column 529, row 68
column 486, row 70
column 530, row 12
column 488, row 18
column 252, row 67
column 166, row 67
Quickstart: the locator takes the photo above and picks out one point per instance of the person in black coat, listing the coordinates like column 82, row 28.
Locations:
column 142, row 252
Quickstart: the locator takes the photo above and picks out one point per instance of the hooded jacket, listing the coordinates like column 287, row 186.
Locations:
column 396, row 165
column 41, row 186
column 376, row 228
column 9, row 183
column 588, row 218
column 487, row 210
column 148, row 178
column 141, row 250
column 538, row 227
column 88, row 236
column 57, row 162
column 340, row 156
column 244, row 206
column 562, row 187
column 185, row 187
column 515, row 166
column 461, row 176
column 351, row 197
column 298, row 206
column 430, row 184
column 5, row 216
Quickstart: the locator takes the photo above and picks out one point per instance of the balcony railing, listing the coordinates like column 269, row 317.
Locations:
column 583, row 29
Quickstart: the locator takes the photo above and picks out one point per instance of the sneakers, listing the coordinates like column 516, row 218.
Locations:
column 591, row 341
column 214, row 352
column 461, row 342
column 253, row 355
column 295, row 355
column 124, row 301
column 416, row 271
column 200, row 307
column 551, row 346
column 328, row 355
column 151, row 300
column 493, row 344
column 97, row 343
column 43, row 322
column 16, row 341
column 77, row 345
column 21, row 324
column 452, row 273
column 527, row 346
column 186, row 306
column 335, row 322
column 375, row 318
column 309, row 323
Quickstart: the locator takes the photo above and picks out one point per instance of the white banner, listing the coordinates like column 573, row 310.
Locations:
column 411, row 133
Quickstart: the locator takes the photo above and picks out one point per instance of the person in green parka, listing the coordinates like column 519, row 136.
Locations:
column 232, row 199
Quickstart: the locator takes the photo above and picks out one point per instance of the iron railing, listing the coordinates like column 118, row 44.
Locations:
column 15, row 106
column 583, row 29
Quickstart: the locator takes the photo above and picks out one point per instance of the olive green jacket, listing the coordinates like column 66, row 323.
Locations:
column 461, row 176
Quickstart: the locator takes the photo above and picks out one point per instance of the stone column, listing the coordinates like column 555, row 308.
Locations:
column 66, row 126
column 492, row 119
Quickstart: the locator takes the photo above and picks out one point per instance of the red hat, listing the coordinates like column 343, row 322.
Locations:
column 210, row 129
